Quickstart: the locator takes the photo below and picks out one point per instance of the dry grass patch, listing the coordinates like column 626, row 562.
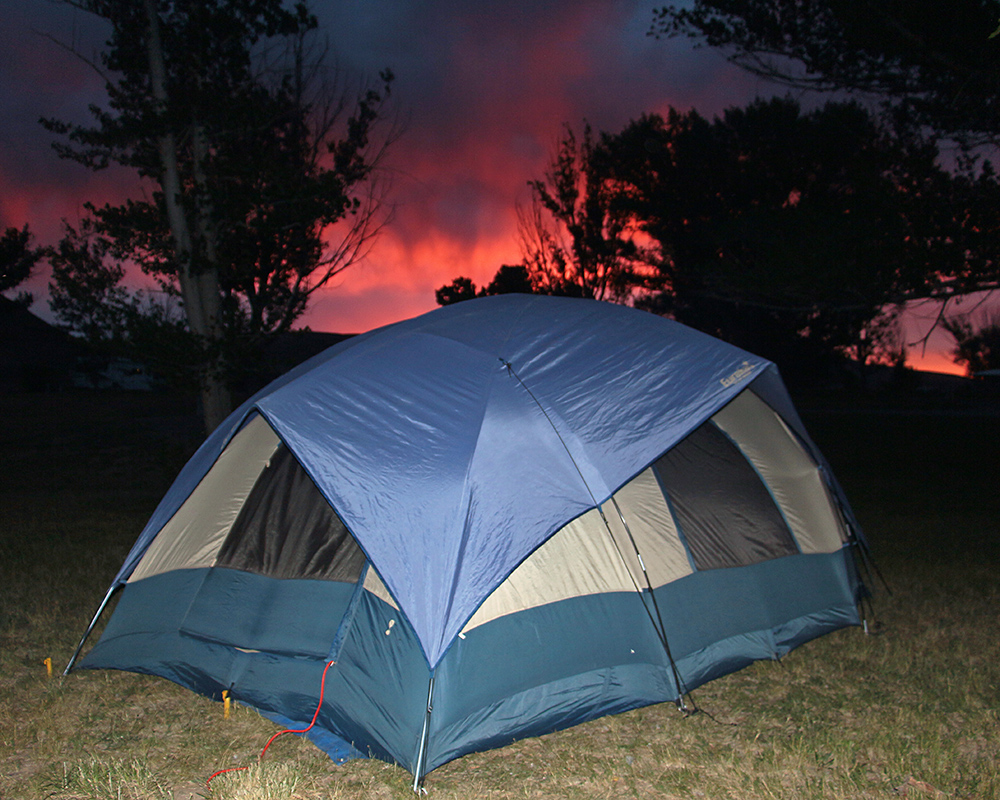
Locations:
column 911, row 712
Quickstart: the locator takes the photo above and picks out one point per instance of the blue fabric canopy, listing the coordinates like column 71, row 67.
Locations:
column 431, row 437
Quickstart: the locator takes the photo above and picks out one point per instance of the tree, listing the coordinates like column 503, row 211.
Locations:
column 509, row 279
column 575, row 238
column 17, row 260
column 789, row 233
column 936, row 67
column 260, row 189
column 977, row 341
column 85, row 292
column 936, row 63
column 457, row 291
column 785, row 232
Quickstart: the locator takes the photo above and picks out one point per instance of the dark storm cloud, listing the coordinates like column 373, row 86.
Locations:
column 40, row 77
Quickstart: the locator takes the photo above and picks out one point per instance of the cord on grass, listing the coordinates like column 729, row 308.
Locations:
column 260, row 758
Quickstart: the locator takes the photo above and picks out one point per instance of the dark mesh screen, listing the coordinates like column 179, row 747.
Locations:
column 286, row 529
column 724, row 511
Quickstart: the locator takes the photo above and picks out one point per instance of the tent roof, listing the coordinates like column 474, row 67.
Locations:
column 455, row 443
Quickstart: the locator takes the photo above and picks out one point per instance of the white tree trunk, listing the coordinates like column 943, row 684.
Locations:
column 199, row 282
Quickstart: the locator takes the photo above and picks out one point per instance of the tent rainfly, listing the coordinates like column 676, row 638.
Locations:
column 499, row 519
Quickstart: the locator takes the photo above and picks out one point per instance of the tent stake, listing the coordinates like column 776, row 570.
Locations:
column 90, row 627
column 418, row 777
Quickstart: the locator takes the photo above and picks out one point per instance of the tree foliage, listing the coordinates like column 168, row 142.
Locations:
column 260, row 178
column 935, row 66
column 977, row 341
column 85, row 292
column 576, row 238
column 789, row 233
column 786, row 228
column 17, row 260
column 509, row 279
column 936, row 62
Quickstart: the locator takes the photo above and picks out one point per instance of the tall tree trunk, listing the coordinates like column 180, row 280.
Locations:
column 198, row 278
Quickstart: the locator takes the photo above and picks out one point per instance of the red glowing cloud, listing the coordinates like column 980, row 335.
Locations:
column 483, row 91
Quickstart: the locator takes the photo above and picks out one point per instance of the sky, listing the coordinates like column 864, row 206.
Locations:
column 483, row 91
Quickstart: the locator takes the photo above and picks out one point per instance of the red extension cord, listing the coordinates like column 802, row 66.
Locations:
column 322, row 686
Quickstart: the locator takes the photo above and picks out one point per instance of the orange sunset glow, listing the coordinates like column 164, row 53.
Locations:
column 482, row 93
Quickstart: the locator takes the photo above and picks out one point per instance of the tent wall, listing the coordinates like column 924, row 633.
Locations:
column 165, row 625
column 793, row 478
column 503, row 533
column 521, row 674
column 722, row 509
column 192, row 536
column 563, row 663
column 286, row 529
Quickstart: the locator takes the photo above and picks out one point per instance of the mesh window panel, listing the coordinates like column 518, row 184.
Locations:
column 722, row 508
column 287, row 529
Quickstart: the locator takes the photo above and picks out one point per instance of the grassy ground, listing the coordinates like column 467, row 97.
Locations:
column 912, row 711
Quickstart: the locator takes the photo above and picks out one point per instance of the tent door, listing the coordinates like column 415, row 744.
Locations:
column 285, row 576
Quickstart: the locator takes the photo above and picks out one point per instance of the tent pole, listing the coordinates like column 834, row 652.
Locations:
column 661, row 631
column 90, row 627
column 661, row 628
column 869, row 562
column 418, row 776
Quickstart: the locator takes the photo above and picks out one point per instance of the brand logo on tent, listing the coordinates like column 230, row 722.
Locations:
column 745, row 369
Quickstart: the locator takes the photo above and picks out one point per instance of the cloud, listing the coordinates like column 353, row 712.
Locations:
column 487, row 89
column 484, row 90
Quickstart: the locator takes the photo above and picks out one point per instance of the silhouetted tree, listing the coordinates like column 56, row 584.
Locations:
column 791, row 234
column 936, row 63
column 784, row 232
column 935, row 67
column 17, row 260
column 85, row 292
column 263, row 185
column 460, row 289
column 575, row 238
column 509, row 279
column 977, row 341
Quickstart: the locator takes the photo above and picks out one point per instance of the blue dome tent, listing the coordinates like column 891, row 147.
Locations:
column 498, row 519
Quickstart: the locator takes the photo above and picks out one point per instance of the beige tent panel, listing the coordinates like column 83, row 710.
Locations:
column 583, row 558
column 195, row 533
column 788, row 471
column 580, row 559
column 653, row 529
column 373, row 584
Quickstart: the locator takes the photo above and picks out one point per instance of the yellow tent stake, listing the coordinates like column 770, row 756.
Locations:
column 48, row 666
column 225, row 704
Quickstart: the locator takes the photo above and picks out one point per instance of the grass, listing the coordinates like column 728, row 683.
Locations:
column 912, row 711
